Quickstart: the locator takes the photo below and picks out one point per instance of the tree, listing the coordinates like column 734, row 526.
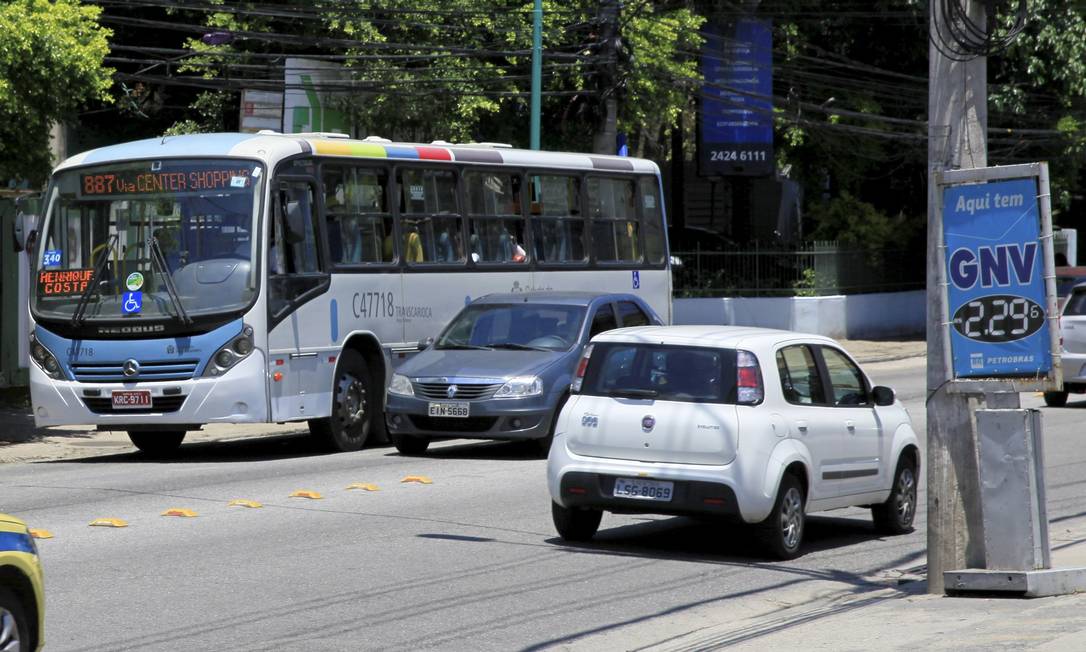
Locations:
column 51, row 57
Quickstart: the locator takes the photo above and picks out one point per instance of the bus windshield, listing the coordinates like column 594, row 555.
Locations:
column 169, row 239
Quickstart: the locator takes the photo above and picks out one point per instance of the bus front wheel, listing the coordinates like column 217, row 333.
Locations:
column 157, row 442
column 353, row 405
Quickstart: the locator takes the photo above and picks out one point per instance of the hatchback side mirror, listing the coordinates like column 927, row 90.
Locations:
column 882, row 395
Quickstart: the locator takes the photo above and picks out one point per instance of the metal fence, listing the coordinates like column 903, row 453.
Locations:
column 809, row 269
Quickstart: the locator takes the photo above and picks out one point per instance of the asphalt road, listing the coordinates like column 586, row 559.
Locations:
column 470, row 561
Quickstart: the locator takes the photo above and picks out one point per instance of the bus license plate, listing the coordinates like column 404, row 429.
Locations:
column 131, row 399
column 459, row 410
column 643, row 489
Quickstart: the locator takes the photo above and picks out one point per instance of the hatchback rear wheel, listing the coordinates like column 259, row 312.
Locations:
column 1055, row 399
column 575, row 524
column 895, row 516
column 782, row 530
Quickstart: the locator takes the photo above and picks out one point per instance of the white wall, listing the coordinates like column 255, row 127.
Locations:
column 854, row 316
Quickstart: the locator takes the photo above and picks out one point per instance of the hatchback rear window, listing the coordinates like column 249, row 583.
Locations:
column 1076, row 303
column 665, row 373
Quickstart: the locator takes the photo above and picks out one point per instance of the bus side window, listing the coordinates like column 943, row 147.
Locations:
column 615, row 226
column 652, row 220
column 430, row 216
column 557, row 219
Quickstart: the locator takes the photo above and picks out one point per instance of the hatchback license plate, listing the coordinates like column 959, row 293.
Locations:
column 459, row 410
column 131, row 399
column 643, row 489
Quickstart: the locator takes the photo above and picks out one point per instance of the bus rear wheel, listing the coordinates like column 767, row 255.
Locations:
column 157, row 442
column 353, row 406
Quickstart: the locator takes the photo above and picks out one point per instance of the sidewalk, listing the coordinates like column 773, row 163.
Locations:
column 892, row 611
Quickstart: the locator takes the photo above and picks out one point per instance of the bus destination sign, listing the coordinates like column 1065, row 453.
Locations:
column 139, row 182
column 63, row 283
column 996, row 290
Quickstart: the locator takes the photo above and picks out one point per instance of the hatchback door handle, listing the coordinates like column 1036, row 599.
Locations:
column 801, row 425
column 850, row 424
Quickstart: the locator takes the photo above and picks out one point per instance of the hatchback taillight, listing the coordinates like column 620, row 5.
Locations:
column 582, row 365
column 748, row 379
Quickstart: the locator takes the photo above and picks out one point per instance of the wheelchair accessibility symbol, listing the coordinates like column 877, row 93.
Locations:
column 131, row 302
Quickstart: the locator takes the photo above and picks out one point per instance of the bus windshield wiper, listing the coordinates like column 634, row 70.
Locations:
column 159, row 261
column 518, row 347
column 92, row 284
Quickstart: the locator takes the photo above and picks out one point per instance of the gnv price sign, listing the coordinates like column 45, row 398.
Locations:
column 996, row 285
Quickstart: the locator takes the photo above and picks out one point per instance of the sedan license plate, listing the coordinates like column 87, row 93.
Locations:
column 643, row 489
column 459, row 410
column 131, row 399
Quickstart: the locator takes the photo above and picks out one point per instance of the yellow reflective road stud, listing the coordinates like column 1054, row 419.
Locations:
column 302, row 493
column 365, row 486
column 41, row 534
column 242, row 502
column 419, row 479
column 179, row 511
column 109, row 522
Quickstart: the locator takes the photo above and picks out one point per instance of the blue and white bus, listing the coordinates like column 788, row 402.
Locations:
column 249, row 278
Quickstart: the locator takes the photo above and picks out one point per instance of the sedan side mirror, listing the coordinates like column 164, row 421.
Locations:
column 883, row 395
column 426, row 343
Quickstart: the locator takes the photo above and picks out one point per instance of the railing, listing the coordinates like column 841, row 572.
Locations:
column 809, row 269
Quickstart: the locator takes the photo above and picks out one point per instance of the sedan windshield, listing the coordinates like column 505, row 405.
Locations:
column 169, row 239
column 521, row 326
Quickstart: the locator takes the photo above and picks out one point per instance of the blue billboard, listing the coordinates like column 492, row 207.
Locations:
column 736, row 126
column 995, row 280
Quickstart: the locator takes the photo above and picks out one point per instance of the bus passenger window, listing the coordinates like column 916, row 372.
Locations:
column 557, row 222
column 496, row 225
column 652, row 220
column 431, row 222
column 359, row 224
column 615, row 226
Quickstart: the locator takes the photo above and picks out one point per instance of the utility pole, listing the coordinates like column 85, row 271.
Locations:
column 957, row 132
column 537, row 71
column 606, row 129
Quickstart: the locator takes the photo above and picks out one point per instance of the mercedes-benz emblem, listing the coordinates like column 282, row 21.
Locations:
column 648, row 423
column 131, row 368
column 451, row 391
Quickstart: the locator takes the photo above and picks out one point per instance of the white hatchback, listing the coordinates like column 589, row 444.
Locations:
column 757, row 425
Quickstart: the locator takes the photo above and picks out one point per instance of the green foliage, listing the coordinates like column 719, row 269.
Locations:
column 51, row 57
column 807, row 285
column 857, row 224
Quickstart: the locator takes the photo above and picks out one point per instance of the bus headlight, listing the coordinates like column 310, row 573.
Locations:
column 520, row 387
column 45, row 359
column 400, row 385
column 231, row 353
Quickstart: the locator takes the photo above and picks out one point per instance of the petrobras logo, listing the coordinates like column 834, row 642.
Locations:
column 131, row 330
column 993, row 266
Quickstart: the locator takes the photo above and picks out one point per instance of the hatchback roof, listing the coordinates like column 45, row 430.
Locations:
column 551, row 296
column 723, row 336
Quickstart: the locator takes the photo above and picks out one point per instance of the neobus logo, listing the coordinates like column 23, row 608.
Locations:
column 129, row 330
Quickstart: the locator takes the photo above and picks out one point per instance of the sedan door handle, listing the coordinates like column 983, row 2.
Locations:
column 801, row 425
column 850, row 424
